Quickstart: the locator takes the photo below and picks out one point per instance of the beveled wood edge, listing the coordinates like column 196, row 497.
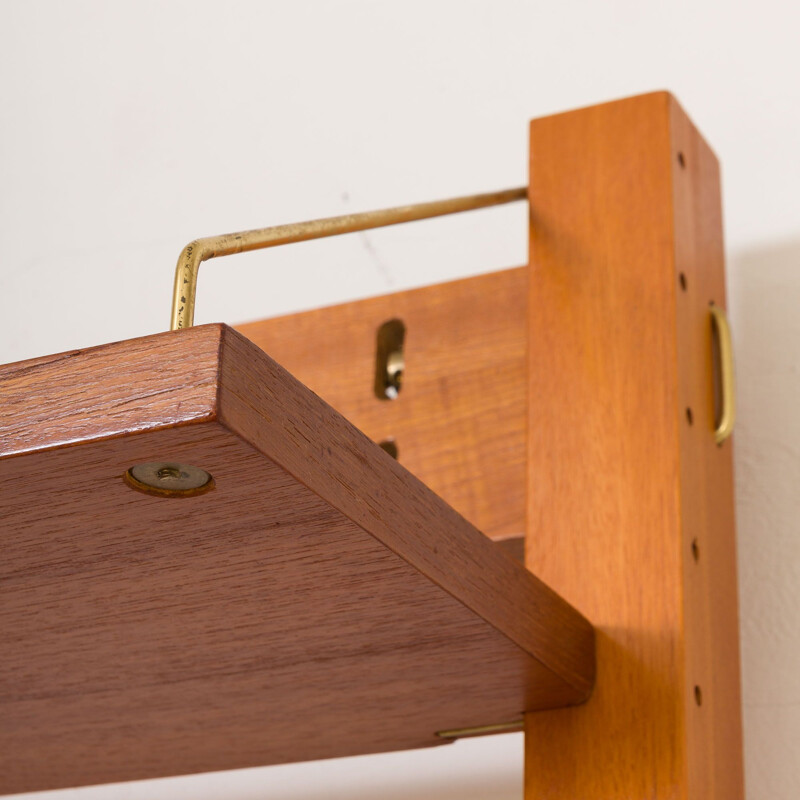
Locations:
column 489, row 582
column 97, row 393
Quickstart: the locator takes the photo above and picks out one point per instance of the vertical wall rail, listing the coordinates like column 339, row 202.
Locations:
column 630, row 500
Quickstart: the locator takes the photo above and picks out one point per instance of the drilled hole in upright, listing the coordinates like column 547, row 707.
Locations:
column 390, row 446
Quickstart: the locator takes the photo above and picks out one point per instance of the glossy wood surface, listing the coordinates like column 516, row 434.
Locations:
column 319, row 602
column 625, row 199
column 459, row 421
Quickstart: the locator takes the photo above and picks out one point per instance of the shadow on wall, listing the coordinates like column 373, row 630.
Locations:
column 764, row 306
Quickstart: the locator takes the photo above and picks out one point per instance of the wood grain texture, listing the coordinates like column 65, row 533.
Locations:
column 319, row 602
column 460, row 419
column 107, row 391
column 620, row 483
column 708, row 525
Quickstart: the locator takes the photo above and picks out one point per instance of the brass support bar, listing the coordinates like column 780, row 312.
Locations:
column 230, row 243
column 482, row 730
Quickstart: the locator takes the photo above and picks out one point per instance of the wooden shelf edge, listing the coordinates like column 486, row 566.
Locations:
column 212, row 372
column 489, row 582
column 82, row 395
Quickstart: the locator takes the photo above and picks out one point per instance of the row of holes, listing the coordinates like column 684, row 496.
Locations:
column 698, row 692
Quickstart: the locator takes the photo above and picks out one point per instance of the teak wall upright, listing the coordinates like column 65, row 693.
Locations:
column 630, row 501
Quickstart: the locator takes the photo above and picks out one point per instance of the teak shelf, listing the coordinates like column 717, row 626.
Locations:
column 324, row 599
column 319, row 601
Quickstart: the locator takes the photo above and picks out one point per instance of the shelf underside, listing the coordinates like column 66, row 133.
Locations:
column 319, row 602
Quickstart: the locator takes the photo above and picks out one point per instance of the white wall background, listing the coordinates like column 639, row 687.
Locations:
column 127, row 129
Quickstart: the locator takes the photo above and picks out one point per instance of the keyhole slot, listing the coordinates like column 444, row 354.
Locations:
column 389, row 359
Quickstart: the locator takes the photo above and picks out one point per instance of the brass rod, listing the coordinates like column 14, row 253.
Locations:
column 228, row 244
column 482, row 730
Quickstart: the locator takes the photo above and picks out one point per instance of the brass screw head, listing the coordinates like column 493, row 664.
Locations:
column 169, row 479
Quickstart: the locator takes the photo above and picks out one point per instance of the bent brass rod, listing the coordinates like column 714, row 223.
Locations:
column 228, row 244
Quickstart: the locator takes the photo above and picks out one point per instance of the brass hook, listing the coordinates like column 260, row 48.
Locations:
column 727, row 416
